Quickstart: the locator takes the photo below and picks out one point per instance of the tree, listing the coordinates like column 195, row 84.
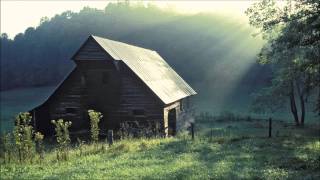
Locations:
column 293, row 44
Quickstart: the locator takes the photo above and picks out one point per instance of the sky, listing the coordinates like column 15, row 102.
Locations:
column 16, row 16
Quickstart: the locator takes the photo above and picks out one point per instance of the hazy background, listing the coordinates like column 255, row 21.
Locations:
column 210, row 44
column 16, row 16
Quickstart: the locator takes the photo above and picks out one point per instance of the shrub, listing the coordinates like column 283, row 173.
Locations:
column 38, row 138
column 129, row 129
column 94, row 121
column 125, row 130
column 23, row 133
column 63, row 138
column 184, row 135
column 80, row 146
column 7, row 147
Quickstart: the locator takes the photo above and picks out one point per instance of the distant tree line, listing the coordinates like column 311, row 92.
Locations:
column 192, row 44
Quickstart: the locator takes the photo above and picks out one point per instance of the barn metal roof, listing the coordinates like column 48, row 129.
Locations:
column 149, row 66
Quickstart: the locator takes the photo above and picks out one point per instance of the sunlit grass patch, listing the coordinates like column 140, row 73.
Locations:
column 235, row 153
column 313, row 146
column 275, row 173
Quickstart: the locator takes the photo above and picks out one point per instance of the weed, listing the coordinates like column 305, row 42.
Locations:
column 7, row 147
column 38, row 137
column 95, row 118
column 80, row 146
column 23, row 133
column 63, row 138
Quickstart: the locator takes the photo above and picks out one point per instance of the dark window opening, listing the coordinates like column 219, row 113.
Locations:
column 105, row 77
column 172, row 122
column 138, row 112
column 71, row 110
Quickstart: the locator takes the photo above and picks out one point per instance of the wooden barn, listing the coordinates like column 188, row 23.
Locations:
column 123, row 82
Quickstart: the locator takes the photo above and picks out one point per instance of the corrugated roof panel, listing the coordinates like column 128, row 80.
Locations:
column 149, row 66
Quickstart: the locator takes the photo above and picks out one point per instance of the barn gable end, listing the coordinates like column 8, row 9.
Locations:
column 90, row 50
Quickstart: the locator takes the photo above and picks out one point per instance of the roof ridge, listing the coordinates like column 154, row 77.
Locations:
column 123, row 43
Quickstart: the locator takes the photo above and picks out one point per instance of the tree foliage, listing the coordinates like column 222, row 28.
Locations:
column 293, row 36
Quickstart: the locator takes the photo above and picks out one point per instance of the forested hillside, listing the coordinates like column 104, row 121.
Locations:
column 214, row 53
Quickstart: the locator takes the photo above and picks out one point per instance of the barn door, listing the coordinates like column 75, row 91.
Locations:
column 172, row 122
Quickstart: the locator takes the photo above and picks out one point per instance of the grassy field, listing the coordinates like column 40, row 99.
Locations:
column 224, row 148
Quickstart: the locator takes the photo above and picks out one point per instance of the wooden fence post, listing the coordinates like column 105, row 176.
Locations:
column 192, row 131
column 270, row 127
column 110, row 137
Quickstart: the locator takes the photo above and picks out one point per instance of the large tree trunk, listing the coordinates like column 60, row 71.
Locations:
column 303, row 110
column 302, row 104
column 293, row 105
column 318, row 103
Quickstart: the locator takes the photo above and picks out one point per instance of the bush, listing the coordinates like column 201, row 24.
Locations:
column 38, row 138
column 63, row 138
column 95, row 118
column 148, row 129
column 23, row 133
column 7, row 147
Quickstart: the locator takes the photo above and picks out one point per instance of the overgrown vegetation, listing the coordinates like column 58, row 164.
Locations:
column 38, row 138
column 23, row 133
column 222, row 149
column 22, row 144
column 6, row 147
column 63, row 138
column 95, row 118
column 130, row 129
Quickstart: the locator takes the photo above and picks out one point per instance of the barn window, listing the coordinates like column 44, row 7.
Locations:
column 138, row 112
column 71, row 110
column 105, row 77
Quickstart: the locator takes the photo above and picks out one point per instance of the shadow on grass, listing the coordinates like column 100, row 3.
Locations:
column 253, row 157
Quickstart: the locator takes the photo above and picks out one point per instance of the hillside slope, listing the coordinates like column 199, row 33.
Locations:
column 214, row 53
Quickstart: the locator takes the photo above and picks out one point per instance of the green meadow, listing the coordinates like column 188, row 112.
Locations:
column 228, row 147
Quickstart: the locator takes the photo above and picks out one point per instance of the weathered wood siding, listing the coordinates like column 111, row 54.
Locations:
column 67, row 102
column 90, row 50
column 136, row 96
column 102, row 84
column 122, row 95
